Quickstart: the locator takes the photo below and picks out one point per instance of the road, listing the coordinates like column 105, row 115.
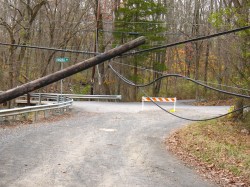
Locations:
column 101, row 144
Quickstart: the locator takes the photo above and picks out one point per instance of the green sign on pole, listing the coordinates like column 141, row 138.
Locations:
column 62, row 59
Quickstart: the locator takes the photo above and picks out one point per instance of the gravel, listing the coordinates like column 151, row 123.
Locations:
column 101, row 144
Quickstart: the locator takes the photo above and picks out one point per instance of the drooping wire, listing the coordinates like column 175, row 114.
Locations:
column 187, row 41
column 189, row 119
column 179, row 76
column 48, row 48
column 162, row 73
column 223, row 85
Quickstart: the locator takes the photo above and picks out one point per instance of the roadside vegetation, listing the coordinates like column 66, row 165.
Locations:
column 218, row 149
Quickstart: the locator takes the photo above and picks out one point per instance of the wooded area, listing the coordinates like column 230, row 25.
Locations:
column 99, row 25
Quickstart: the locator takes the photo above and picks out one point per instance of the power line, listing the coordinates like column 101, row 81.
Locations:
column 139, row 67
column 140, row 33
column 133, row 53
column 244, row 89
column 49, row 49
column 162, row 73
column 190, row 40
column 189, row 119
column 179, row 76
column 112, row 31
column 91, row 21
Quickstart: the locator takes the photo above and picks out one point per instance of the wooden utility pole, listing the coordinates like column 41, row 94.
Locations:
column 96, row 42
column 44, row 81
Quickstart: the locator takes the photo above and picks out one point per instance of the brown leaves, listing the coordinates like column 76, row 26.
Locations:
column 212, row 152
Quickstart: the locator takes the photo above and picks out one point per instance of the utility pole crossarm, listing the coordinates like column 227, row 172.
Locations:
column 44, row 81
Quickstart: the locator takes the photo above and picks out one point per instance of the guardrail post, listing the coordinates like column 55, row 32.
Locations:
column 40, row 99
column 26, row 116
column 35, row 116
column 62, row 110
column 45, row 113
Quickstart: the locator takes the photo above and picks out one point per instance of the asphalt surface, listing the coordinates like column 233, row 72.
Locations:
column 102, row 144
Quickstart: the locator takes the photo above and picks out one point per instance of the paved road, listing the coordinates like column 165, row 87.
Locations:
column 103, row 144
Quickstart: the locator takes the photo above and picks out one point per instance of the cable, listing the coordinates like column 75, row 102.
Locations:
column 114, row 31
column 140, row 33
column 155, row 23
column 151, row 70
column 49, row 49
column 180, row 76
column 244, row 89
column 190, row 40
column 126, row 54
column 133, row 84
column 189, row 119
column 139, row 67
column 113, row 22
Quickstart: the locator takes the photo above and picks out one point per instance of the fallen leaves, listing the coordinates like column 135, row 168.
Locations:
column 221, row 155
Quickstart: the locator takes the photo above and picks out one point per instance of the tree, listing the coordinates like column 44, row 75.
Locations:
column 23, row 14
column 141, row 17
column 237, row 13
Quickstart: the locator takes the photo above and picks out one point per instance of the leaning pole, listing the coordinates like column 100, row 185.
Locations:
column 46, row 80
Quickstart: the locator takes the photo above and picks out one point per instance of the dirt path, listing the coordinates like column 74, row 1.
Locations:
column 107, row 148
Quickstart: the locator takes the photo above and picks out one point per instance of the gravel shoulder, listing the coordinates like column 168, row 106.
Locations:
column 102, row 144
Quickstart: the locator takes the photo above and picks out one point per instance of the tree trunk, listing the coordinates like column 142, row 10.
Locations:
column 243, row 14
column 197, row 45
column 206, row 66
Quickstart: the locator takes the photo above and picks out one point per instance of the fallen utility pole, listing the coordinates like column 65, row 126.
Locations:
column 44, row 81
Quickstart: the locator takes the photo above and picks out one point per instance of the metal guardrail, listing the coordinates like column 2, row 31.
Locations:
column 81, row 96
column 50, row 101
column 17, row 111
column 57, row 102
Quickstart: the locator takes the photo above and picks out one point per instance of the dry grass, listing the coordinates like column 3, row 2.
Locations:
column 221, row 147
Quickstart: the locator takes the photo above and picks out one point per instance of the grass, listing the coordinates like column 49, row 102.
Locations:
column 220, row 144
